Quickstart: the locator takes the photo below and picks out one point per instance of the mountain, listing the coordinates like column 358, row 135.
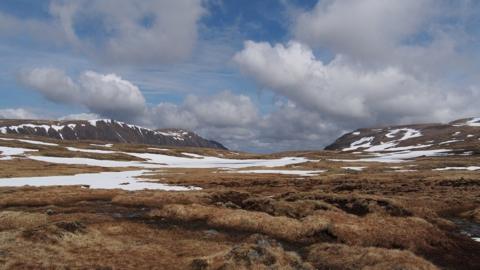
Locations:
column 105, row 130
column 460, row 134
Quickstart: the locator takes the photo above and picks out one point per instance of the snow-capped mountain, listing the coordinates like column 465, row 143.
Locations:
column 105, row 130
column 463, row 134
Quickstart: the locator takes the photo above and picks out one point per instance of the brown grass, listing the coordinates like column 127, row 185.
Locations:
column 33, row 196
column 344, row 257
column 14, row 220
column 240, row 220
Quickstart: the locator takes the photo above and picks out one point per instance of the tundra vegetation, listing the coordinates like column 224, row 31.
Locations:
column 345, row 214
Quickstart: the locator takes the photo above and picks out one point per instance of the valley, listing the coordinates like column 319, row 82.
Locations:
column 404, row 197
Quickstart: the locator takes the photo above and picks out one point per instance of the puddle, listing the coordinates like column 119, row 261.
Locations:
column 468, row 228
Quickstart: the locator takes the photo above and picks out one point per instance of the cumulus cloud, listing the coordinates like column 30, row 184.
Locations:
column 53, row 83
column 365, row 28
column 221, row 115
column 344, row 91
column 148, row 32
column 223, row 109
column 17, row 113
column 410, row 34
column 107, row 95
column 390, row 62
column 133, row 32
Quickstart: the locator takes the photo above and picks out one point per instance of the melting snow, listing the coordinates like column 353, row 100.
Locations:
column 381, row 147
column 192, row 155
column 362, row 143
column 215, row 162
column 105, row 180
column 470, row 168
column 7, row 152
column 103, row 145
column 475, row 122
column 90, row 150
column 94, row 122
column 354, row 168
column 408, row 133
column 165, row 161
column 451, row 141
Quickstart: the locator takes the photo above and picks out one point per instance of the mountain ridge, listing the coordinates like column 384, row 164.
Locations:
column 455, row 134
column 106, row 130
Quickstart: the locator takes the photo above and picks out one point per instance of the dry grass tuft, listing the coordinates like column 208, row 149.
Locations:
column 410, row 233
column 288, row 229
column 12, row 220
column 39, row 196
column 259, row 252
column 473, row 215
column 342, row 257
column 160, row 198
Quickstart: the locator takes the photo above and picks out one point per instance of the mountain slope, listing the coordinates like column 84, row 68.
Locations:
column 460, row 134
column 105, row 130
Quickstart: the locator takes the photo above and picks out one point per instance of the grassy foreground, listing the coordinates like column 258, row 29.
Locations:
column 377, row 218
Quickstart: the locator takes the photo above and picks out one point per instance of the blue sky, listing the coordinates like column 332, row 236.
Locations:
column 255, row 75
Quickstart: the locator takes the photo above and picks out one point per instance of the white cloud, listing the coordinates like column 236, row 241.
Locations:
column 412, row 34
column 223, row 109
column 147, row 32
column 220, row 111
column 363, row 28
column 53, row 83
column 110, row 95
column 133, row 32
column 107, row 95
column 17, row 113
column 341, row 91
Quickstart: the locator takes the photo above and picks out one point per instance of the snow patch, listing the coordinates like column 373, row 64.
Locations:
column 8, row 152
column 73, row 149
column 475, row 122
column 470, row 168
column 451, row 141
column 358, row 169
column 362, row 143
column 108, row 145
column 105, row 180
column 408, row 133
column 215, row 162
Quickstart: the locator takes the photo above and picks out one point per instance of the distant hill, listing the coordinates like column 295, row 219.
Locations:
column 460, row 134
column 105, row 130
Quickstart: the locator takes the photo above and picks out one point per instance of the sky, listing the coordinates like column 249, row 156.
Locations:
column 258, row 76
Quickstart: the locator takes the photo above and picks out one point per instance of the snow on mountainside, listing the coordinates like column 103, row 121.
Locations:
column 105, row 130
column 459, row 135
